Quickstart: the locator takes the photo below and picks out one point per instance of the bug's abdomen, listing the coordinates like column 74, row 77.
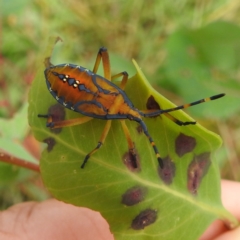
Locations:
column 81, row 90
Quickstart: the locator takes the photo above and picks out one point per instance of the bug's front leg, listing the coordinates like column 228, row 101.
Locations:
column 63, row 123
column 103, row 55
column 50, row 122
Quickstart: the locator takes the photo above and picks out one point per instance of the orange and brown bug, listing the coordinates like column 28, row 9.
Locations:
column 94, row 96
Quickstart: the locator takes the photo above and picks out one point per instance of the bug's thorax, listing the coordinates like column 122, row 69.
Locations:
column 120, row 106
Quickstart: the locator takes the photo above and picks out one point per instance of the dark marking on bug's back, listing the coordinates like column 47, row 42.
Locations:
column 134, row 195
column 144, row 219
column 197, row 169
column 152, row 104
column 167, row 173
column 132, row 162
column 184, row 144
column 57, row 112
column 50, row 143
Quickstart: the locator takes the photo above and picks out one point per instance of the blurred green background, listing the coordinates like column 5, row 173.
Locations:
column 187, row 49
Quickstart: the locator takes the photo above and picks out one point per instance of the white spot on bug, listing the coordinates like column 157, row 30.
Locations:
column 64, row 104
column 86, row 70
column 74, row 85
column 57, row 98
column 64, row 79
column 72, row 108
column 77, row 82
column 50, row 89
column 66, row 76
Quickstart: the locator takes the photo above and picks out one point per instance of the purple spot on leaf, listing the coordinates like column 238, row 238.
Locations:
column 131, row 161
column 144, row 219
column 197, row 170
column 152, row 104
column 57, row 113
column 184, row 144
column 50, row 143
column 134, row 195
column 167, row 173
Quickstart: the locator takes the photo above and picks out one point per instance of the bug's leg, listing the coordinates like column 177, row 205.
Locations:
column 144, row 127
column 64, row 123
column 124, row 76
column 162, row 111
column 131, row 147
column 103, row 55
column 177, row 121
column 100, row 142
column 172, row 118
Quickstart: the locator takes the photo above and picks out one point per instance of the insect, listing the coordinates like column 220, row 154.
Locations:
column 94, row 96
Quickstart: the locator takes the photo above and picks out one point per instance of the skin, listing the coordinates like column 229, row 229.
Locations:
column 230, row 200
column 53, row 219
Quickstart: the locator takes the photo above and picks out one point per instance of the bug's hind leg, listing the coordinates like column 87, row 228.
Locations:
column 169, row 116
column 100, row 142
column 164, row 111
column 144, row 127
column 177, row 121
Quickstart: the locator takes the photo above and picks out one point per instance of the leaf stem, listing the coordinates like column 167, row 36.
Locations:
column 4, row 157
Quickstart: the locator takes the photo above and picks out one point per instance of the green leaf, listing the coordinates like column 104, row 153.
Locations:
column 8, row 173
column 171, row 208
column 12, row 132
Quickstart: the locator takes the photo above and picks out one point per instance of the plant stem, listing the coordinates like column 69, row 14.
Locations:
column 4, row 157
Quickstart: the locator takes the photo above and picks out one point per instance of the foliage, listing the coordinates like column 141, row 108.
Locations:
column 179, row 46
